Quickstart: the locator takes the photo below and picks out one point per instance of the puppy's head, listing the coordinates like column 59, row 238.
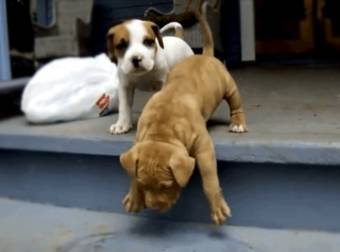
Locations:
column 161, row 171
column 133, row 45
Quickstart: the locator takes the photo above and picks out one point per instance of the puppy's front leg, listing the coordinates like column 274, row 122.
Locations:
column 124, row 122
column 206, row 160
column 134, row 199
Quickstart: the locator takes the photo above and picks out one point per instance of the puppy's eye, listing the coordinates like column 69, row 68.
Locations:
column 122, row 45
column 149, row 42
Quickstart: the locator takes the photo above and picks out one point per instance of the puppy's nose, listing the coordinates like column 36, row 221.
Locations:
column 159, row 206
column 136, row 60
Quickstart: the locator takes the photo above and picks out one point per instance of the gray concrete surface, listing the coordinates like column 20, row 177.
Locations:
column 260, row 195
column 28, row 227
column 293, row 117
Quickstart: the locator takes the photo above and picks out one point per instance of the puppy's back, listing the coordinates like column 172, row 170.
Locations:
column 196, row 74
column 196, row 83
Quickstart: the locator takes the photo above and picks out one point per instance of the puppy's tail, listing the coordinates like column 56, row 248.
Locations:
column 177, row 27
column 208, row 41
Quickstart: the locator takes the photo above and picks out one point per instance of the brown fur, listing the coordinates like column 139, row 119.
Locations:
column 172, row 135
column 116, row 35
column 153, row 32
column 208, row 43
column 179, row 33
column 171, row 132
column 120, row 34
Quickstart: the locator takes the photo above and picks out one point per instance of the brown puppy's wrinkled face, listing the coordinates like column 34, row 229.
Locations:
column 160, row 192
column 161, row 171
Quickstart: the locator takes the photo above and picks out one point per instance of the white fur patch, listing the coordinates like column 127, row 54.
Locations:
column 136, row 48
column 237, row 128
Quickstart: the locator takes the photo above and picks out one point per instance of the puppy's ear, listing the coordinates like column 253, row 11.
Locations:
column 157, row 33
column 109, row 44
column 182, row 167
column 129, row 161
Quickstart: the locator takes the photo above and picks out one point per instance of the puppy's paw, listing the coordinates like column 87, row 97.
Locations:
column 120, row 128
column 220, row 211
column 238, row 123
column 238, row 128
column 133, row 203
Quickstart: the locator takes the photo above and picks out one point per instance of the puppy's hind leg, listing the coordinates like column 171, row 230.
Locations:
column 237, row 117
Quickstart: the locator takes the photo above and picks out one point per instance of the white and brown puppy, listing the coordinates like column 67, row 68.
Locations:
column 143, row 58
column 172, row 134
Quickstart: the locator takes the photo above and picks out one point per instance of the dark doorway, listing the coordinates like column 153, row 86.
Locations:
column 297, row 29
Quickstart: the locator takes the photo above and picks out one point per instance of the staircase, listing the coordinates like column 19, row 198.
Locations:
column 282, row 179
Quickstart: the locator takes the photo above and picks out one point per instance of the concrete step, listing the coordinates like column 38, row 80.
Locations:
column 32, row 227
column 282, row 174
column 260, row 195
column 292, row 118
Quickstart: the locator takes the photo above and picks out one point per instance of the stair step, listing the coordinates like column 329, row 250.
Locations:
column 261, row 195
column 44, row 228
column 282, row 174
column 291, row 120
column 92, row 137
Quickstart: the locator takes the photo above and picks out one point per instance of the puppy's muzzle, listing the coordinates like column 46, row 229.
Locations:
column 158, row 206
column 136, row 60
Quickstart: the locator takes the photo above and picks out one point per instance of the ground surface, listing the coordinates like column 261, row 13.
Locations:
column 28, row 227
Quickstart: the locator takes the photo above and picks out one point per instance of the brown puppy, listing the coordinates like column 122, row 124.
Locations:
column 172, row 134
